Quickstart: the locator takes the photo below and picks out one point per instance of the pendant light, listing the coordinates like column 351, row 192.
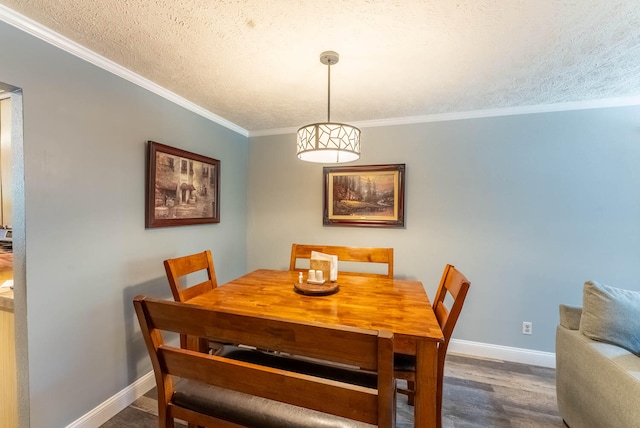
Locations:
column 328, row 142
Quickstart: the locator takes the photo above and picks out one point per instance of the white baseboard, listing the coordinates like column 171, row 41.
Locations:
column 115, row 404
column 505, row 353
column 122, row 399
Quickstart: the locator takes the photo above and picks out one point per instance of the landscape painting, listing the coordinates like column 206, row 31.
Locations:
column 367, row 195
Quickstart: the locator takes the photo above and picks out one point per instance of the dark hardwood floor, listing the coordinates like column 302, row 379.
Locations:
column 477, row 393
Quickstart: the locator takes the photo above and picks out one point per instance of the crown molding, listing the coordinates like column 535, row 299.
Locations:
column 477, row 114
column 43, row 33
column 507, row 111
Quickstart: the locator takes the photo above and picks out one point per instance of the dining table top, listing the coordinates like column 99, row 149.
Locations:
column 401, row 306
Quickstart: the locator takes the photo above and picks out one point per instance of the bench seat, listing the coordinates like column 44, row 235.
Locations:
column 252, row 411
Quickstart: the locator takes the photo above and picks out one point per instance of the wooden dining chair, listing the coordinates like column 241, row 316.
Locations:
column 345, row 254
column 455, row 284
column 195, row 264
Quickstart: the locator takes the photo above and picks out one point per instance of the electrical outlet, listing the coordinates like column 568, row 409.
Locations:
column 527, row 327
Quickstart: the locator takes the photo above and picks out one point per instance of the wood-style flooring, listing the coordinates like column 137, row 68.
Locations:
column 477, row 393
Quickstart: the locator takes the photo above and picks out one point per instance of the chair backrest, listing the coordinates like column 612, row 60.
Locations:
column 182, row 266
column 346, row 254
column 454, row 283
column 371, row 350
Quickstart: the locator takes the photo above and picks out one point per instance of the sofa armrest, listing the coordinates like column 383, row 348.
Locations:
column 570, row 316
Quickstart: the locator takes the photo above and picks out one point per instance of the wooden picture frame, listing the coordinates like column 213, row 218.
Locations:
column 182, row 188
column 366, row 195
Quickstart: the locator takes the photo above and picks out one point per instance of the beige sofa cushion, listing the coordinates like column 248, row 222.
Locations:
column 611, row 315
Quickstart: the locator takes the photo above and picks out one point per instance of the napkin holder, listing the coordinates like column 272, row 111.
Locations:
column 333, row 264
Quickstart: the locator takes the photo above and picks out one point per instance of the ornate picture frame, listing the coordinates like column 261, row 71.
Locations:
column 365, row 195
column 182, row 188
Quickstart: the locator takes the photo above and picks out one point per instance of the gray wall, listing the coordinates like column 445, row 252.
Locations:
column 87, row 251
column 528, row 207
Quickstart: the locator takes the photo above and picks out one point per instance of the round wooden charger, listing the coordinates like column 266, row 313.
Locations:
column 316, row 289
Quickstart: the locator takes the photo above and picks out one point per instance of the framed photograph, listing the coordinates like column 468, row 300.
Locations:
column 367, row 195
column 182, row 187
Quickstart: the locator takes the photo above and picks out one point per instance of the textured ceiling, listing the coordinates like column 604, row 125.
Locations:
column 256, row 62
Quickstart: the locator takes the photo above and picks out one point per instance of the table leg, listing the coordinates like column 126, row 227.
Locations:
column 425, row 408
column 197, row 344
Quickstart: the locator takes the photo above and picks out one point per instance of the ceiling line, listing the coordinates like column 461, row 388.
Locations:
column 478, row 114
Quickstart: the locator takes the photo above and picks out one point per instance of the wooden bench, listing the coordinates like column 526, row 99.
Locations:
column 345, row 254
column 214, row 390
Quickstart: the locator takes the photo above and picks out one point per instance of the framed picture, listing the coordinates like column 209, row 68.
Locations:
column 182, row 187
column 367, row 195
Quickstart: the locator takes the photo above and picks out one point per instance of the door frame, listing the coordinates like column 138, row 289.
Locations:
column 19, row 250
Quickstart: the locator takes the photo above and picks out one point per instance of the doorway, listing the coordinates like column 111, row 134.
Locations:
column 12, row 242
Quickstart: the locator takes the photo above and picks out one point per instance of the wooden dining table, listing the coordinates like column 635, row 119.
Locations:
column 401, row 306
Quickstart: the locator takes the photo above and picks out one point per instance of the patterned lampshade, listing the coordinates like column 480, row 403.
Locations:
column 328, row 143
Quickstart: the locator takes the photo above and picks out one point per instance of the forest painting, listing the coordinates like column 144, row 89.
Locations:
column 370, row 195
